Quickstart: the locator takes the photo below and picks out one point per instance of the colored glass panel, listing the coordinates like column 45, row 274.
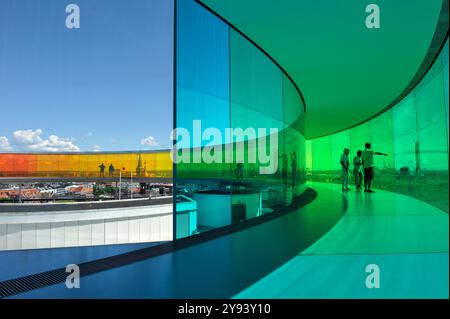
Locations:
column 202, row 85
column 414, row 134
column 228, row 83
column 141, row 164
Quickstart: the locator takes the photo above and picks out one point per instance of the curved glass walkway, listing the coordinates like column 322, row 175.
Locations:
column 318, row 251
column 406, row 238
column 217, row 268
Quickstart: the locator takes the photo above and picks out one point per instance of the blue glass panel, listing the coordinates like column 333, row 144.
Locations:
column 202, row 68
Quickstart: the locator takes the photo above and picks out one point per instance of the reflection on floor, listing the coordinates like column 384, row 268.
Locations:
column 314, row 252
column 19, row 263
column 432, row 188
column 406, row 238
column 217, row 268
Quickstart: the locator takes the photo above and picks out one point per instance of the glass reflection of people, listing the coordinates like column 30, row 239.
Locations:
column 357, row 170
column 367, row 160
column 294, row 171
column 111, row 170
column 102, row 169
column 344, row 169
column 240, row 171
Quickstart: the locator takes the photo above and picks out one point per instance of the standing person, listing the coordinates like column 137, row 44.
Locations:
column 294, row 171
column 102, row 169
column 240, row 170
column 344, row 169
column 367, row 159
column 357, row 170
column 111, row 170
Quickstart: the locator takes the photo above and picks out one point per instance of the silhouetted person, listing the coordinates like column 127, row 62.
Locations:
column 367, row 160
column 102, row 169
column 240, row 171
column 357, row 170
column 111, row 170
column 294, row 170
column 345, row 163
column 284, row 170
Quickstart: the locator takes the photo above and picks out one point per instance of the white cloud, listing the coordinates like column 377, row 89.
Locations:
column 96, row 148
column 149, row 141
column 27, row 137
column 4, row 144
column 31, row 140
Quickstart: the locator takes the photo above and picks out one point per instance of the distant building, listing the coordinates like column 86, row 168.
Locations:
column 25, row 193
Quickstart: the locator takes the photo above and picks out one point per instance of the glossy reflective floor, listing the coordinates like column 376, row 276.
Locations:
column 218, row 268
column 405, row 237
column 19, row 263
column 318, row 251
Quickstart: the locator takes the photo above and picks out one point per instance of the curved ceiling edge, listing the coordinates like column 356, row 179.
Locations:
column 438, row 41
column 259, row 48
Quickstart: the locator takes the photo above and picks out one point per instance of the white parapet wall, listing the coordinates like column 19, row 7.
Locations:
column 90, row 227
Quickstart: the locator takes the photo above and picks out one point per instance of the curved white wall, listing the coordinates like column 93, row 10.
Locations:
column 85, row 228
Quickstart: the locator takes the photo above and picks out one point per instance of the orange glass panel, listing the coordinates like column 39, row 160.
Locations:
column 140, row 164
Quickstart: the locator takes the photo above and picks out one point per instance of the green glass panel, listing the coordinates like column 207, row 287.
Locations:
column 445, row 71
column 445, row 62
column 256, row 103
column 256, row 86
column 339, row 141
column 321, row 150
column 381, row 129
column 293, row 106
column 431, row 120
column 359, row 136
column 309, row 157
column 405, row 133
column 295, row 160
column 256, row 100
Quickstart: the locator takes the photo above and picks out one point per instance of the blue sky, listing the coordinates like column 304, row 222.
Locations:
column 106, row 86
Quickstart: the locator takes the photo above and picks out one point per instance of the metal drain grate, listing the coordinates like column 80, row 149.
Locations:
column 23, row 284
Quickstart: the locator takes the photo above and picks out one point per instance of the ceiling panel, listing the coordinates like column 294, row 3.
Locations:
column 346, row 72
